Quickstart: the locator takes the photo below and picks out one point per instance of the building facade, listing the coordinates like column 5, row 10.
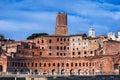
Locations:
column 62, row 54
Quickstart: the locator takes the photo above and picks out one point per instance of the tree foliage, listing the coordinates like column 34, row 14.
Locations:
column 34, row 35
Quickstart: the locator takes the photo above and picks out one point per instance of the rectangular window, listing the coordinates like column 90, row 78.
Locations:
column 53, row 64
column 116, row 66
column 44, row 64
column 67, row 64
column 32, row 65
column 40, row 53
column 80, row 64
column 40, row 64
column 42, row 41
column 49, row 64
column 73, row 53
column 50, row 54
column 57, row 39
column 71, row 64
column 35, row 64
column 57, row 53
column 75, row 64
column 57, row 47
column 50, row 47
column 50, row 41
column 62, row 64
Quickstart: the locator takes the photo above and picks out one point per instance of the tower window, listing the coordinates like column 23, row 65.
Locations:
column 50, row 41
column 42, row 41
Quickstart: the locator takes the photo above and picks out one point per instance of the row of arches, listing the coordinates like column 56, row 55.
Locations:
column 70, row 72
column 56, row 71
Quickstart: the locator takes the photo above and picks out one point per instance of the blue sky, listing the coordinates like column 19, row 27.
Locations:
column 21, row 18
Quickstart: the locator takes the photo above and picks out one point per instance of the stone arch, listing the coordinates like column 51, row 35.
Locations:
column 79, row 72
column 93, row 71
column 21, row 71
column 1, row 68
column 86, row 72
column 15, row 71
column 72, row 72
column 53, row 71
column 36, row 71
column 62, row 71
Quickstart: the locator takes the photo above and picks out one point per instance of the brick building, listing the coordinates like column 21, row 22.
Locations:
column 62, row 54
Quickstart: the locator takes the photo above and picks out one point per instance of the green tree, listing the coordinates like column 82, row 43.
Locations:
column 34, row 35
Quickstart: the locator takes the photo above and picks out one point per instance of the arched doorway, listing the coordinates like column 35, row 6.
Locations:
column 87, row 72
column 36, row 71
column 53, row 72
column 1, row 68
column 71, row 72
column 63, row 72
column 79, row 72
column 92, row 71
column 21, row 71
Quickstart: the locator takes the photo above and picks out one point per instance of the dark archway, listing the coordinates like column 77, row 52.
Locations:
column 71, row 72
column 119, row 70
column 21, row 71
column 79, row 72
column 63, row 72
column 1, row 68
column 53, row 72
column 36, row 71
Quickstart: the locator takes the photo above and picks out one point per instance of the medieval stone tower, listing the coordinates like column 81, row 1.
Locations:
column 61, row 24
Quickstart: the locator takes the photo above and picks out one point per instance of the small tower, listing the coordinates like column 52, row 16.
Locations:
column 61, row 24
column 91, row 33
